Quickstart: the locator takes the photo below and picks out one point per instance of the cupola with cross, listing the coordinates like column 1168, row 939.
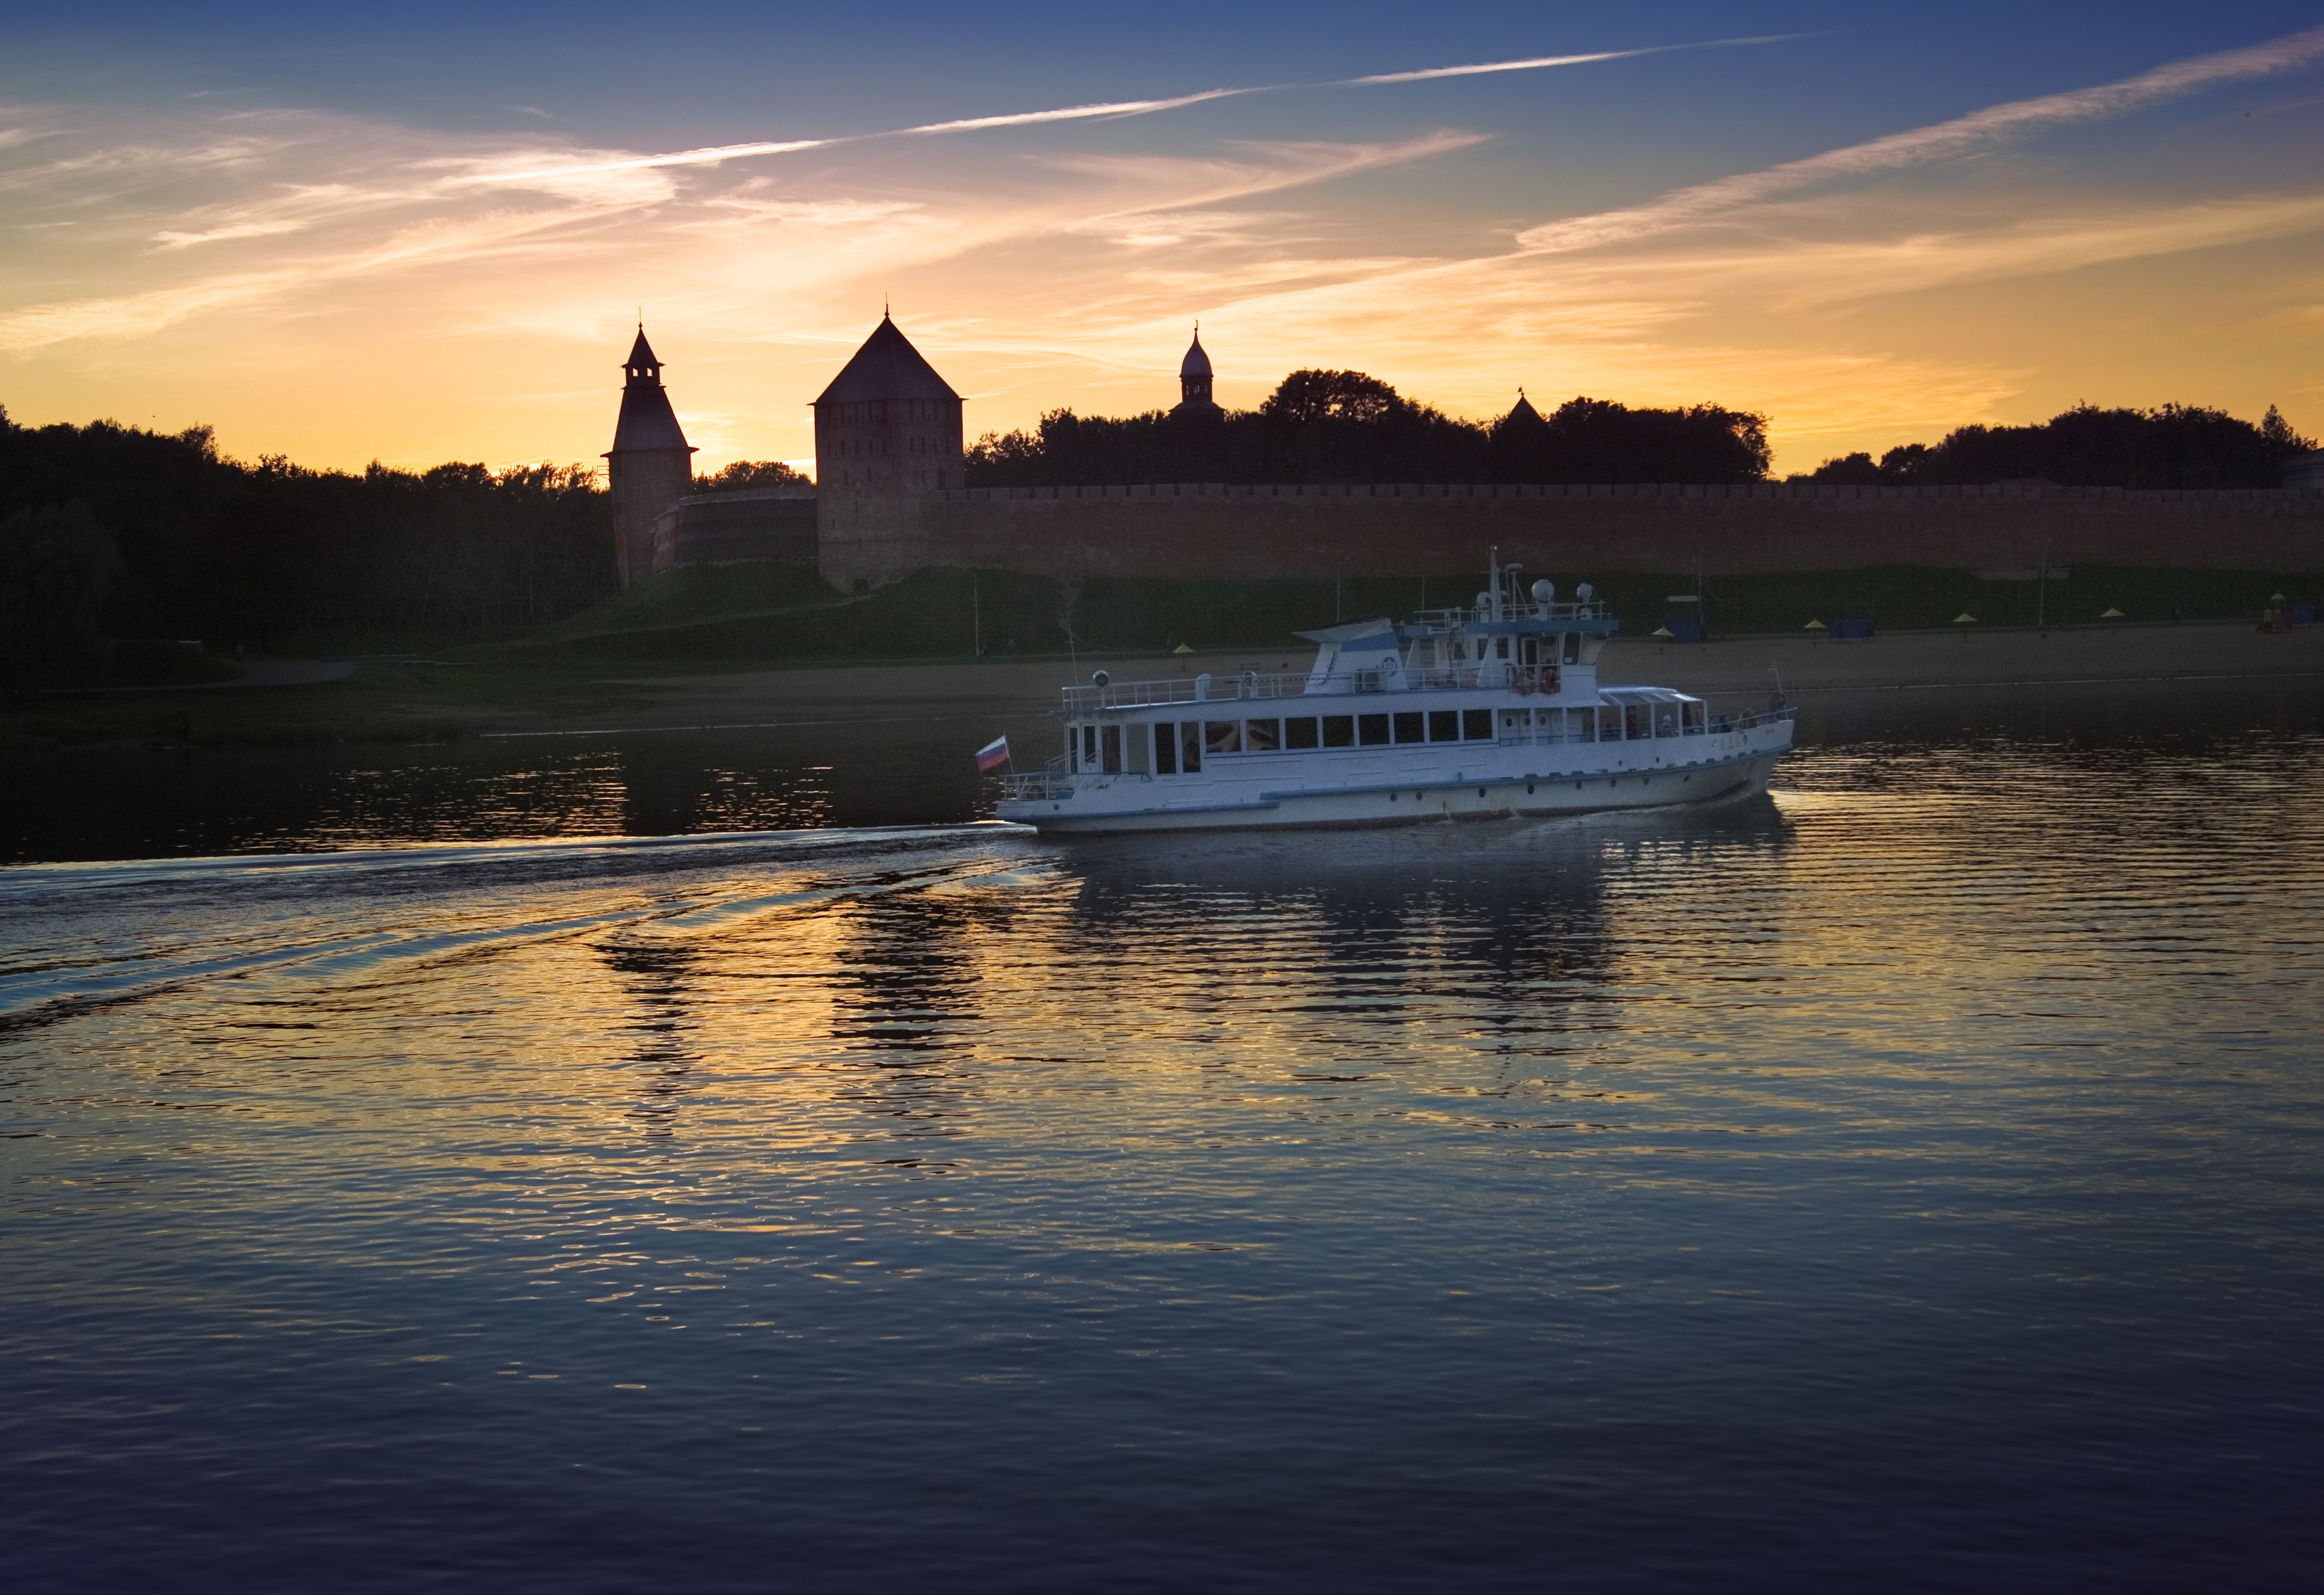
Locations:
column 1194, row 381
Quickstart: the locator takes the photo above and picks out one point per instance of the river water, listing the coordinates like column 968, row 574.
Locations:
column 1910, row 1180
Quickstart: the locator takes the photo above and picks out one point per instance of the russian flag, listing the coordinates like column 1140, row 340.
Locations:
column 992, row 755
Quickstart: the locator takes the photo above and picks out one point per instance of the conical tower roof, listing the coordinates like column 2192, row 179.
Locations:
column 887, row 367
column 1196, row 363
column 1523, row 413
column 647, row 419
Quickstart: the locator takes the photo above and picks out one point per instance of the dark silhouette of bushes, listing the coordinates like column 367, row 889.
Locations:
column 2177, row 445
column 239, row 554
column 1342, row 426
column 737, row 475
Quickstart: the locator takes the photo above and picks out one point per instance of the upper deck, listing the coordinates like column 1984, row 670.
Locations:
column 1505, row 641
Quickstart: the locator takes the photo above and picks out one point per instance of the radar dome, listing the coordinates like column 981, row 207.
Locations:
column 1545, row 591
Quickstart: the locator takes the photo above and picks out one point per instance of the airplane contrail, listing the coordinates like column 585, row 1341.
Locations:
column 718, row 155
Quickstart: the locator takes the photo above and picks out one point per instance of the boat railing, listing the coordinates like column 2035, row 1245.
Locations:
column 1251, row 683
column 1052, row 780
column 1473, row 616
column 1197, row 689
column 1757, row 717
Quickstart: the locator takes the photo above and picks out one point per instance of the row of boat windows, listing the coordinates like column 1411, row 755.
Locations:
column 1178, row 747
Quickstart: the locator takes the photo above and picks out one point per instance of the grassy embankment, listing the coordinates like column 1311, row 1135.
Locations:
column 755, row 617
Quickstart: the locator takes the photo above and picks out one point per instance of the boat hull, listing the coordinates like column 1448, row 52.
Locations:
column 1420, row 800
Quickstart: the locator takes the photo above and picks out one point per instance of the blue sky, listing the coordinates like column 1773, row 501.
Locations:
column 417, row 234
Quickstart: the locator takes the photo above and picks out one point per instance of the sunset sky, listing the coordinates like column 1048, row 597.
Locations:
column 422, row 232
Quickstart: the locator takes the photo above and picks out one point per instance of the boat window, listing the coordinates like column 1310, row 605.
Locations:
column 1299, row 733
column 1223, row 736
column 1339, row 730
column 1089, row 747
column 1665, row 719
column 1372, row 729
column 1694, row 718
column 1138, row 748
column 1443, row 725
column 1573, row 648
column 1609, row 722
column 1111, row 743
column 1261, row 736
column 1637, row 722
column 1582, row 726
column 1477, row 725
column 1408, row 727
column 1165, row 749
column 1189, row 746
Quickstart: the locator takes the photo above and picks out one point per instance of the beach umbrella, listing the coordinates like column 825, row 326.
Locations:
column 1665, row 632
column 2113, row 614
column 1964, row 619
column 1815, row 626
column 1182, row 648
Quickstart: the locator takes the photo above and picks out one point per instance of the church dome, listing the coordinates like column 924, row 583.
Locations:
column 1196, row 363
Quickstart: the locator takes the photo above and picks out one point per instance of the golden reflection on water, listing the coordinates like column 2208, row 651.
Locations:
column 1824, row 1109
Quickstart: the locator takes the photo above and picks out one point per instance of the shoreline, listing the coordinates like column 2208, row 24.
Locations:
column 408, row 702
column 1722, row 668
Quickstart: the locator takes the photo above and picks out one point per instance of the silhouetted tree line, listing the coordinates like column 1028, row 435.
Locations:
column 2177, row 445
column 738, row 476
column 1342, row 426
column 108, row 531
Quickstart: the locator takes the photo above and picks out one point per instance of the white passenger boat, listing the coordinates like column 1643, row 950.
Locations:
column 1475, row 713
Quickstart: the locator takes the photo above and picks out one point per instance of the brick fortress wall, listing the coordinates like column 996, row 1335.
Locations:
column 1207, row 531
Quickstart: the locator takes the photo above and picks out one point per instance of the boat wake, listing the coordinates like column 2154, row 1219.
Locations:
column 90, row 936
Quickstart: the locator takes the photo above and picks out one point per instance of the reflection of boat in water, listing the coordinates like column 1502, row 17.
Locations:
column 1475, row 713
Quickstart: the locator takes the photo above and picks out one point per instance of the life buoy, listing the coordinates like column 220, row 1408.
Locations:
column 1525, row 683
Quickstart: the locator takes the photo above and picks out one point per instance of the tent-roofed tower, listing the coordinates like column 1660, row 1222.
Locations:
column 887, row 440
column 1520, row 443
column 651, row 465
column 1194, row 381
column 888, row 423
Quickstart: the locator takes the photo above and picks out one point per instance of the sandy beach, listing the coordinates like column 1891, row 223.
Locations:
column 1729, row 667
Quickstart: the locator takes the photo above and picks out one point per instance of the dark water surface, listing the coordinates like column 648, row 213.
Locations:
column 1912, row 1181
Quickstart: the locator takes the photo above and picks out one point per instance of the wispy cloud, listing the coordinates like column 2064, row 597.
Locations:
column 303, row 247
column 567, row 171
column 1921, row 146
column 167, row 239
column 1538, row 62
